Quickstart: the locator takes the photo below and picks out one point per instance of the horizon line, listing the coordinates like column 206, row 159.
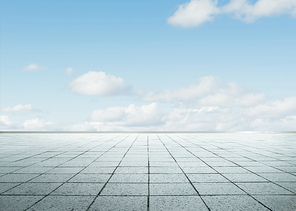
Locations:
column 147, row 131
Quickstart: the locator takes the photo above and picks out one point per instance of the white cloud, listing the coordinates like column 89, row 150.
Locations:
column 232, row 95
column 275, row 109
column 19, row 109
column 38, row 124
column 130, row 116
column 207, row 93
column 98, row 83
column 282, row 124
column 6, row 123
column 196, row 12
column 204, row 86
column 34, row 67
column 246, row 12
column 279, row 115
column 69, row 71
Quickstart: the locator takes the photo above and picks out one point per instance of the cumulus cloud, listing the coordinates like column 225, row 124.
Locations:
column 132, row 115
column 69, row 71
column 38, row 124
column 207, row 92
column 34, row 67
column 197, row 12
column 194, row 13
column 274, row 109
column 273, row 116
column 19, row 109
column 232, row 95
column 6, row 123
column 205, row 85
column 98, row 83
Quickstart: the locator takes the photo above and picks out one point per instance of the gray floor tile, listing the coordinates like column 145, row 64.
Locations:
column 231, row 170
column 8, row 169
column 168, row 178
column 198, row 170
column 176, row 203
column 52, row 178
column 233, row 203
column 262, row 188
column 125, row 189
column 98, row 170
column 6, row 186
column 165, row 170
column 131, row 170
column 181, row 189
column 283, row 177
column 244, row 178
column 206, row 178
column 217, row 189
column 65, row 170
column 17, row 177
column 120, row 203
column 13, row 203
column 129, row 178
column 278, row 203
column 288, row 185
column 100, row 178
column 55, row 203
column 82, row 189
column 33, row 189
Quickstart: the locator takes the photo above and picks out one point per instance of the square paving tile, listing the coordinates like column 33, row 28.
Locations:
column 131, row 170
column 129, row 178
column 278, row 203
column 13, row 203
column 206, row 178
column 52, row 178
column 288, row 185
column 125, row 189
column 81, row 189
column 233, row 203
column 6, row 186
column 120, row 203
column 176, row 203
column 165, row 170
column 245, row 178
column 217, row 189
column 100, row 178
column 180, row 189
column 263, row 188
column 168, row 178
column 283, row 177
column 17, row 177
column 33, row 189
column 122, row 171
column 54, row 203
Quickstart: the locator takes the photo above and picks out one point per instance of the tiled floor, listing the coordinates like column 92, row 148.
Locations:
column 122, row 171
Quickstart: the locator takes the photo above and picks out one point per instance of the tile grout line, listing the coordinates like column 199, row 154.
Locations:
column 78, row 171
column 185, row 174
column 148, row 152
column 270, row 181
column 111, row 175
column 219, row 172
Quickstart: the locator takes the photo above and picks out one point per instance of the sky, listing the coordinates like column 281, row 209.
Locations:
column 170, row 65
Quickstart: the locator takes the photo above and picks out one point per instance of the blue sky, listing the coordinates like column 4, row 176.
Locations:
column 148, row 65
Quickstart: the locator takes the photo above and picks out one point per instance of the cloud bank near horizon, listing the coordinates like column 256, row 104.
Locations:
column 197, row 12
column 207, row 105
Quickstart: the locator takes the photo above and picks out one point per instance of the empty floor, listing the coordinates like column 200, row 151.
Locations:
column 153, row 171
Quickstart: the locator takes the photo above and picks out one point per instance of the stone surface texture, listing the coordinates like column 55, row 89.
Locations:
column 148, row 171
